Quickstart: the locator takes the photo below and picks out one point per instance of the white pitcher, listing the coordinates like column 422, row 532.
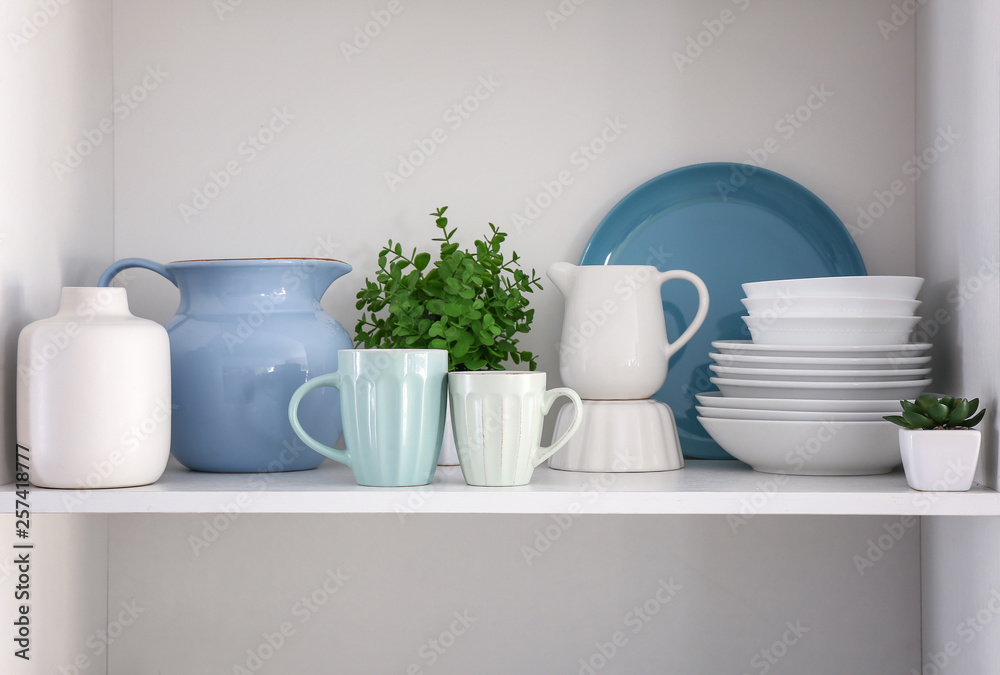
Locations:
column 614, row 338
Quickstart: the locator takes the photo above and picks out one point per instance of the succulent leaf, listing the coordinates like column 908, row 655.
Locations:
column 925, row 401
column 973, row 421
column 959, row 414
column 896, row 419
column 918, row 421
column 938, row 412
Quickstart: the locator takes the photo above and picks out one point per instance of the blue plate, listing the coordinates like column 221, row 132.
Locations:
column 729, row 228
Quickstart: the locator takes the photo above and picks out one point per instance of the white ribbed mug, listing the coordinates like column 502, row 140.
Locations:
column 497, row 419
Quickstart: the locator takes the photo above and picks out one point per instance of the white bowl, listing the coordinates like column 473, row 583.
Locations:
column 715, row 399
column 797, row 306
column 904, row 288
column 809, row 448
column 771, row 374
column 818, row 363
column 747, row 347
column 830, row 330
column 789, row 415
column 829, row 390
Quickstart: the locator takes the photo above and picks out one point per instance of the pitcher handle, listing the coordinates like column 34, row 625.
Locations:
column 126, row 263
column 699, row 318
column 547, row 400
column 328, row 380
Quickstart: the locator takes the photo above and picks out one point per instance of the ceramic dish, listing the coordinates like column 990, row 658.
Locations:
column 715, row 399
column 770, row 374
column 788, row 415
column 727, row 223
column 809, row 448
column 817, row 363
column 829, row 390
column 903, row 288
column 830, row 330
column 797, row 306
column 822, row 351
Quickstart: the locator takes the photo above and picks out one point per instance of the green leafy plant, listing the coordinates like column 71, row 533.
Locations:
column 471, row 303
column 931, row 412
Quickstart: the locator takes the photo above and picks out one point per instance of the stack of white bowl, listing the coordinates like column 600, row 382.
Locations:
column 829, row 357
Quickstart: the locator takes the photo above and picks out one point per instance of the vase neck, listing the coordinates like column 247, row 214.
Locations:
column 244, row 286
column 89, row 303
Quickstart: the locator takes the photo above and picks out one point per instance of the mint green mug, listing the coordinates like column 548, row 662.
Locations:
column 392, row 402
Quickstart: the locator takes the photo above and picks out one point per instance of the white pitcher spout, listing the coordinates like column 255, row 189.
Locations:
column 562, row 274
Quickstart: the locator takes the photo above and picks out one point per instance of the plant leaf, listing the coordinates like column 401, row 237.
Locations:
column 974, row 420
column 918, row 421
column 938, row 412
column 896, row 419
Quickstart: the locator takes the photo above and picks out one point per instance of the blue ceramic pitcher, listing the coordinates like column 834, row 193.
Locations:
column 246, row 335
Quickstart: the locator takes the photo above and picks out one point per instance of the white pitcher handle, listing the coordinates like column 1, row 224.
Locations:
column 699, row 318
column 547, row 400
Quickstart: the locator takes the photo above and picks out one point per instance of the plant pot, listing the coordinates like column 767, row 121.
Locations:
column 939, row 460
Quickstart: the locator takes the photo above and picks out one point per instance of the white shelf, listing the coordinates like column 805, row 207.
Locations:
column 703, row 487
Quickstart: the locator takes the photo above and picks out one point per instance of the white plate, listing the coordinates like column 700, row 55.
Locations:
column 829, row 390
column 905, row 288
column 823, row 351
column 770, row 374
column 789, row 415
column 798, row 306
column 818, row 363
column 809, row 448
column 715, row 399
column 830, row 330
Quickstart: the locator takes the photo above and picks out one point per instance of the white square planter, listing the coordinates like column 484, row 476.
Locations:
column 939, row 460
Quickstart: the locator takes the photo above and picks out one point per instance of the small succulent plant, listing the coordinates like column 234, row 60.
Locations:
column 930, row 412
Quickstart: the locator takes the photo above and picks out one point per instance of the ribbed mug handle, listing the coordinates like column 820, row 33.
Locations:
column 328, row 380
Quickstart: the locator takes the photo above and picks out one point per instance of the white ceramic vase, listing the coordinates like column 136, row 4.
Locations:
column 93, row 394
column 939, row 460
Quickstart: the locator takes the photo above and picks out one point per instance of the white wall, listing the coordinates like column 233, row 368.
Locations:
column 958, row 251
column 205, row 605
column 55, row 230
column 319, row 188
column 55, row 226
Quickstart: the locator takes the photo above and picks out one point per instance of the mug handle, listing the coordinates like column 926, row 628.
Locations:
column 699, row 318
column 126, row 263
column 547, row 400
column 328, row 380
